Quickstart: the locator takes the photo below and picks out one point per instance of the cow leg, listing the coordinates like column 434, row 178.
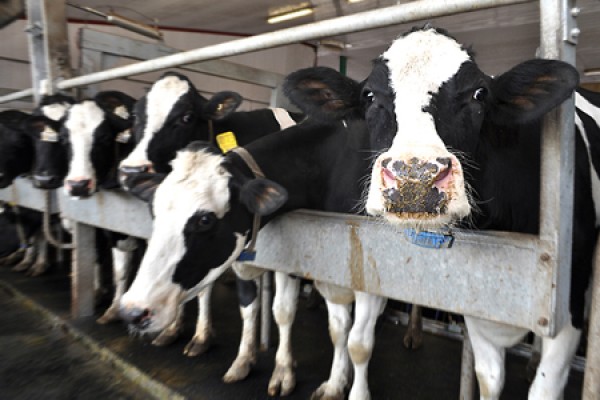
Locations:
column 285, row 304
column 30, row 256
column 553, row 371
column 361, row 341
column 41, row 261
column 171, row 332
column 490, row 340
column 413, row 338
column 122, row 255
column 534, row 360
column 339, row 326
column 249, row 307
column 201, row 341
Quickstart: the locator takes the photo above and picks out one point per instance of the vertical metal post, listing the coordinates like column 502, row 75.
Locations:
column 82, row 270
column 266, row 295
column 558, row 148
column 591, row 379
column 467, row 371
column 48, row 44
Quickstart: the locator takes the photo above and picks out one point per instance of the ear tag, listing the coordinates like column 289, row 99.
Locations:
column 226, row 141
column 431, row 240
column 49, row 135
column 123, row 137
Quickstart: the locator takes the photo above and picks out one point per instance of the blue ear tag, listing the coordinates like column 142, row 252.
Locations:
column 430, row 240
column 246, row 255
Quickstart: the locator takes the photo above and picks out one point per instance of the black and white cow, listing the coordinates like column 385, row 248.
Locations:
column 16, row 147
column 429, row 107
column 204, row 211
column 50, row 164
column 170, row 116
column 96, row 136
column 173, row 114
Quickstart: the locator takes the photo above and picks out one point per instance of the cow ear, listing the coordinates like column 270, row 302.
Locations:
column 221, row 105
column 531, row 89
column 262, row 196
column 323, row 92
column 143, row 185
column 115, row 102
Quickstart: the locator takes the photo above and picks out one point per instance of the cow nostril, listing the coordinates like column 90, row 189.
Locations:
column 136, row 316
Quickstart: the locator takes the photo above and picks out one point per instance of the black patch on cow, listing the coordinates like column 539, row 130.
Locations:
column 377, row 99
column 16, row 147
column 246, row 291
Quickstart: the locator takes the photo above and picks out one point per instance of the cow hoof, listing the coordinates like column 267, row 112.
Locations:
column 22, row 266
column 109, row 315
column 196, row 347
column 37, row 269
column 282, row 382
column 166, row 338
column 413, row 340
column 325, row 392
column 239, row 370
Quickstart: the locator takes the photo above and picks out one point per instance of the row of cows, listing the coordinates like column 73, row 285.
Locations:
column 426, row 141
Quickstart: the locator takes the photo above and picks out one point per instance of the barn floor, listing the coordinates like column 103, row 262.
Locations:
column 39, row 360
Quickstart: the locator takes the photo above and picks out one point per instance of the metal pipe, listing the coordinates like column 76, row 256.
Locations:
column 467, row 371
column 16, row 95
column 379, row 18
column 47, row 229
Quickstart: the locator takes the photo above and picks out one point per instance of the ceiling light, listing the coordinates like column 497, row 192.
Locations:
column 291, row 12
column 592, row 72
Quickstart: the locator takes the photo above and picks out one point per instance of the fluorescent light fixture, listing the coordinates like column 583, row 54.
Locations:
column 288, row 13
column 354, row 1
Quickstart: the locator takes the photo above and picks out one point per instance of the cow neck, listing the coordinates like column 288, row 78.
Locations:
column 249, row 251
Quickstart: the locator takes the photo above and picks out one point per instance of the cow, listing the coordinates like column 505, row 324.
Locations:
column 173, row 114
column 16, row 147
column 170, row 116
column 204, row 215
column 96, row 135
column 459, row 147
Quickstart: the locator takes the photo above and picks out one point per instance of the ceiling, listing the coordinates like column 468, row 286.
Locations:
column 500, row 37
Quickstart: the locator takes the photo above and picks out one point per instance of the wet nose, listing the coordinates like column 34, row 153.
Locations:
column 45, row 181
column 126, row 172
column 140, row 317
column 79, row 187
column 416, row 185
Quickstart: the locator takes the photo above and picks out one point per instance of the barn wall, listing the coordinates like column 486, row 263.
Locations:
column 16, row 76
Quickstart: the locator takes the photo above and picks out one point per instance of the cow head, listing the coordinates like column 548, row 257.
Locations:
column 16, row 147
column 203, row 215
column 50, row 165
column 170, row 116
column 426, row 103
column 98, row 133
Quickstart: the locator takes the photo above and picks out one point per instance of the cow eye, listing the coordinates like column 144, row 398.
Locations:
column 480, row 94
column 368, row 96
column 205, row 221
column 187, row 117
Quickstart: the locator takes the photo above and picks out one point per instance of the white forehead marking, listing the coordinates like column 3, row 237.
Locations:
column 159, row 101
column 55, row 111
column 419, row 63
column 82, row 121
column 122, row 112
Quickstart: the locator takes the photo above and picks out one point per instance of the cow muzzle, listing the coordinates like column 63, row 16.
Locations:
column 419, row 190
column 139, row 318
column 79, row 187
column 127, row 173
column 46, row 181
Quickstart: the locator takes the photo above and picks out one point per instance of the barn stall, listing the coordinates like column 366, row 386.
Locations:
column 545, row 259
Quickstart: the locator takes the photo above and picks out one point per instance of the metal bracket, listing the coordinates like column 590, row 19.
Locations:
column 571, row 31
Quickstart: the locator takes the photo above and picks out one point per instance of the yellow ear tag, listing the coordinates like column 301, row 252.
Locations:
column 226, row 141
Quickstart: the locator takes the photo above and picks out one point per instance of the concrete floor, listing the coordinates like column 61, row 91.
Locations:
column 431, row 373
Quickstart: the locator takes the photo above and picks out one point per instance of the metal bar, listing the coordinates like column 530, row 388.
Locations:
column 379, row 18
column 266, row 297
column 82, row 271
column 558, row 149
column 591, row 379
column 21, row 192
